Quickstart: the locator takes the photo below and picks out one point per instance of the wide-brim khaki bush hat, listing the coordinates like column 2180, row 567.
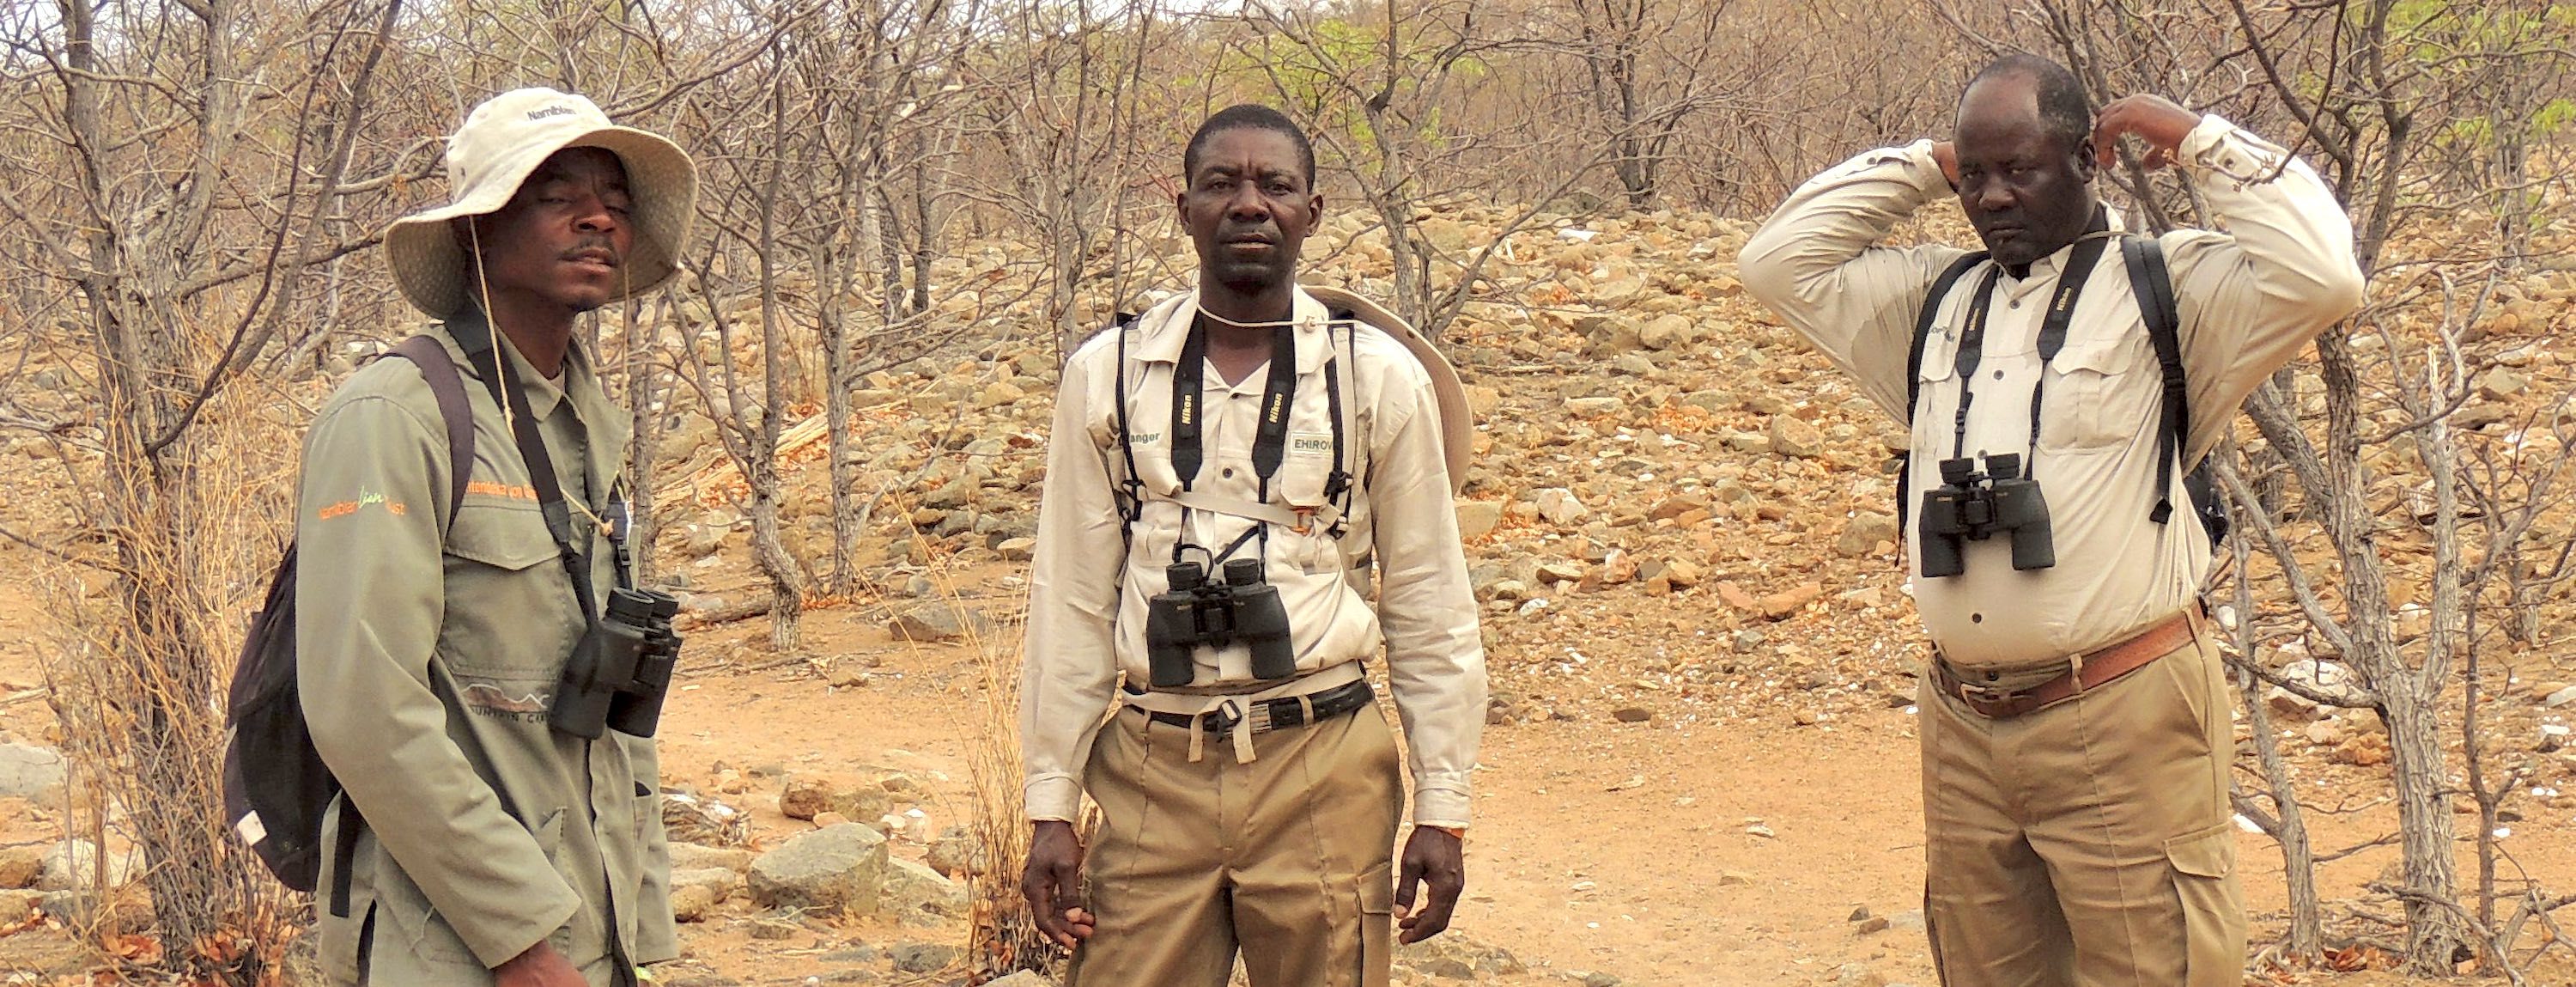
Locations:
column 502, row 143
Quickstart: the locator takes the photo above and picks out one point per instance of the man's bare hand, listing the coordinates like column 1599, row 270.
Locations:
column 1435, row 858
column 1051, row 883
column 2160, row 124
column 540, row 966
column 1947, row 155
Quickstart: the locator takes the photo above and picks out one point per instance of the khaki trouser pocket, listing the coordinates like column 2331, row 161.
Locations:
column 2204, row 875
column 1377, row 925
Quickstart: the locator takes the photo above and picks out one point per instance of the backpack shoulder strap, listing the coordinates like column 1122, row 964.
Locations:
column 2153, row 286
column 439, row 370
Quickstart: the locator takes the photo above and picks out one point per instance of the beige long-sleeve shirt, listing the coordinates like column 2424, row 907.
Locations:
column 1088, row 586
column 2250, row 299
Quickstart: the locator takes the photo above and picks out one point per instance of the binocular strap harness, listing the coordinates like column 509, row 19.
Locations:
column 1269, row 445
column 2052, row 338
column 1269, row 453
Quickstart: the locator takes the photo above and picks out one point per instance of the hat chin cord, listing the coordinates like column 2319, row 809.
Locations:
column 492, row 324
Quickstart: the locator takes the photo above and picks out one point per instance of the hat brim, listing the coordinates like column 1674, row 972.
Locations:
column 436, row 274
column 1457, row 420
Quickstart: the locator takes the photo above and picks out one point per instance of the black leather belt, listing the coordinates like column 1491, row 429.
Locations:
column 1278, row 714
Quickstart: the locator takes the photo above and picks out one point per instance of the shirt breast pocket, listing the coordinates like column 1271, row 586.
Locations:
column 506, row 593
column 2095, row 398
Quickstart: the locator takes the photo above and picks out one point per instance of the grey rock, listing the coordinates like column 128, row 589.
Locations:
column 922, row 957
column 2562, row 697
column 75, row 908
column 956, row 851
column 836, row 869
column 1023, row 978
column 26, row 772
column 1858, row 975
column 73, row 865
column 938, row 622
column 914, row 892
column 1634, row 365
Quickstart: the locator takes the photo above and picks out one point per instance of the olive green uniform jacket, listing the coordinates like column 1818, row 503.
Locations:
column 428, row 660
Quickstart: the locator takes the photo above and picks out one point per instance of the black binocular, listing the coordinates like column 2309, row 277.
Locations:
column 622, row 668
column 1972, row 506
column 1196, row 613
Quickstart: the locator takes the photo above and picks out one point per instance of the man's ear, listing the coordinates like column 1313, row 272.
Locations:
column 2085, row 166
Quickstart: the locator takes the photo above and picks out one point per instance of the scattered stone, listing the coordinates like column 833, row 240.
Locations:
column 20, row 867
column 1001, row 393
column 1632, row 714
column 1906, row 921
column 955, row 852
column 1667, row 331
column 1863, row 533
column 1593, row 979
column 1017, row 549
column 1791, row 436
column 923, row 957
column 1560, row 507
column 1735, row 596
column 2365, row 751
column 1023, row 978
column 1589, row 407
column 939, row 622
column 1778, row 606
column 2562, row 697
column 1858, row 975
column 916, row 893
column 774, row 929
column 1478, row 518
column 837, row 870
column 1633, row 364
column 1872, row 925
column 696, row 893
column 692, row 856
column 76, row 908
column 15, row 904
column 1804, row 718
column 805, row 798
column 1748, row 639
column 2325, row 733
column 2502, row 383
column 27, row 772
column 1732, row 878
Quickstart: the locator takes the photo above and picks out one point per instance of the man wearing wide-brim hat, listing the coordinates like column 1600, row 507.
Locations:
column 478, row 841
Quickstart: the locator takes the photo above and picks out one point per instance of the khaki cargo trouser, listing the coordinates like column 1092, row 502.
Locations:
column 2089, row 843
column 1287, row 857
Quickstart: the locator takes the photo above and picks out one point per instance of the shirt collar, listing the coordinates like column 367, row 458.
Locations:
column 1164, row 328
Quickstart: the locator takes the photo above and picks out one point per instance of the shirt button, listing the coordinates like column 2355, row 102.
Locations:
column 1999, row 375
column 2016, row 303
column 1229, row 472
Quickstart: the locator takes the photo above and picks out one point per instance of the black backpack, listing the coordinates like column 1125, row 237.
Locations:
column 276, row 788
column 2153, row 286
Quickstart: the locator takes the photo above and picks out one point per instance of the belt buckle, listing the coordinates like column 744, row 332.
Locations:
column 1225, row 716
column 1973, row 693
column 1305, row 520
column 1260, row 717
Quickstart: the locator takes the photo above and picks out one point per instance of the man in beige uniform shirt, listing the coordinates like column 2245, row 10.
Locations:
column 495, row 848
column 2075, row 731
column 1250, row 791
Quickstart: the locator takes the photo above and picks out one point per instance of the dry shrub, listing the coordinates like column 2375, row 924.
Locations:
column 149, row 610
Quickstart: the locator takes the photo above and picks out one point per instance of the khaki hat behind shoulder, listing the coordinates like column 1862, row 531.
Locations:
column 502, row 142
